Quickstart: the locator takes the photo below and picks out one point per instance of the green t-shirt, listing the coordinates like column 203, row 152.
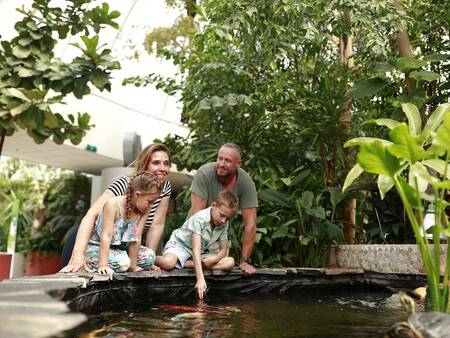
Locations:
column 206, row 185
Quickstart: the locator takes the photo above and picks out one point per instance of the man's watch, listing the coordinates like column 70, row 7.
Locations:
column 246, row 259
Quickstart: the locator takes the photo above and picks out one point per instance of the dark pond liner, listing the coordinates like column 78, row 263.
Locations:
column 143, row 288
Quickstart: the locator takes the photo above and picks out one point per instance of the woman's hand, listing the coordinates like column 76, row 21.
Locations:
column 201, row 288
column 76, row 263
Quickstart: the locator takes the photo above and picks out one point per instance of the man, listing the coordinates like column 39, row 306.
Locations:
column 226, row 173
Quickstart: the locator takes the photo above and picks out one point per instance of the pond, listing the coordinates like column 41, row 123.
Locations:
column 329, row 313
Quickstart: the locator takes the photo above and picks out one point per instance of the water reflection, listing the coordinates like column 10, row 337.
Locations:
column 343, row 314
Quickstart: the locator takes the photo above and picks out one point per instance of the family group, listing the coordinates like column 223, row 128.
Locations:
column 122, row 229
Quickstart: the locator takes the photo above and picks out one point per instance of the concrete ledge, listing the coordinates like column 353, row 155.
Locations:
column 45, row 306
column 398, row 258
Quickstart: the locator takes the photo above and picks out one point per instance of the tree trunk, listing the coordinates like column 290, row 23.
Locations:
column 345, row 119
column 405, row 50
column 2, row 140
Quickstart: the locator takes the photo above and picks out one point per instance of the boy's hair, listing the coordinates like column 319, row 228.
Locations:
column 228, row 199
column 145, row 182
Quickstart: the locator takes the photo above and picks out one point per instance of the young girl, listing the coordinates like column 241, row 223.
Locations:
column 119, row 227
column 200, row 235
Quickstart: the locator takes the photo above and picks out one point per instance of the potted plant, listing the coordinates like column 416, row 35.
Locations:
column 415, row 161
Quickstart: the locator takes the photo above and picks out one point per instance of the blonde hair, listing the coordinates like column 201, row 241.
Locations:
column 145, row 182
column 227, row 199
column 141, row 162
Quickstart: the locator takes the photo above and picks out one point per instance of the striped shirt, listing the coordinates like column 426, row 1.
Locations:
column 119, row 188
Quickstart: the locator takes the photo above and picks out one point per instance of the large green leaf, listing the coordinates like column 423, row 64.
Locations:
column 410, row 193
column 336, row 195
column 405, row 147
column 424, row 76
column 438, row 165
column 391, row 124
column 414, row 119
column 352, row 175
column 407, row 63
column 384, row 184
column 419, row 177
column 275, row 197
column 307, row 199
column 357, row 141
column 442, row 137
column 436, row 118
column 375, row 159
column 366, row 88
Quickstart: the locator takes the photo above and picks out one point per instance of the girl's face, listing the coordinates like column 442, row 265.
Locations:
column 220, row 213
column 144, row 202
column 159, row 165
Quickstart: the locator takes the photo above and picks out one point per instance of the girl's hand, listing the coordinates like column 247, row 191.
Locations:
column 201, row 288
column 135, row 268
column 105, row 270
column 77, row 263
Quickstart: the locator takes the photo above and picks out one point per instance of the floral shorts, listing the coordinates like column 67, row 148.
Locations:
column 118, row 259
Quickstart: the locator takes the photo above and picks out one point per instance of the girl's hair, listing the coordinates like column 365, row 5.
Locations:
column 144, row 157
column 227, row 199
column 145, row 182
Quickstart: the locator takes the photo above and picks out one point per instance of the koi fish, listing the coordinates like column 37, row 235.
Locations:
column 184, row 308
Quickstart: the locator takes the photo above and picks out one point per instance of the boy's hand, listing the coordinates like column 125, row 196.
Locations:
column 209, row 261
column 201, row 288
column 105, row 270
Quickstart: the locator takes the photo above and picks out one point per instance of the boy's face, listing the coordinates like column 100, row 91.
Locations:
column 220, row 213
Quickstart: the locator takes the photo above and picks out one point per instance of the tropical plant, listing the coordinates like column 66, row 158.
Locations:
column 33, row 79
column 415, row 160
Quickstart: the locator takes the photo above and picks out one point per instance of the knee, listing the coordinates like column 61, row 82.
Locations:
column 228, row 263
column 165, row 263
column 122, row 265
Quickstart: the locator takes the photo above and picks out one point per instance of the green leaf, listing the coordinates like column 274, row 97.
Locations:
column 414, row 119
column 405, row 147
column 407, row 63
column 217, row 102
column 286, row 180
column 275, row 197
column 375, row 159
column 352, row 175
column 358, row 141
column 366, row 88
column 336, row 195
column 304, row 240
column 410, row 193
column 281, row 232
column 438, row 165
column 419, row 177
column 381, row 67
column 306, row 199
column 20, row 109
column 436, row 119
column 204, row 104
column 391, row 124
column 442, row 136
column 384, row 184
column 99, row 78
column 16, row 93
column 424, row 76
column 317, row 212
column 50, row 120
column 21, row 52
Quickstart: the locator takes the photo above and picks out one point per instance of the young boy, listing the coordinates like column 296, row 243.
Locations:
column 198, row 236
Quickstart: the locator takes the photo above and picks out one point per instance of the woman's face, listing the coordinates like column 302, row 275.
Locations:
column 159, row 165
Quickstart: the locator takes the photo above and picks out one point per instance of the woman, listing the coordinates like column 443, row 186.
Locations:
column 156, row 159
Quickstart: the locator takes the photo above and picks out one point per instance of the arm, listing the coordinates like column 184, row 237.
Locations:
column 197, row 203
column 249, row 218
column 133, row 247
column 109, row 216
column 214, row 259
column 201, row 283
column 77, row 260
column 156, row 230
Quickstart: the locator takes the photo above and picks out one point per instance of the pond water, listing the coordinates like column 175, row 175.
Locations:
column 335, row 314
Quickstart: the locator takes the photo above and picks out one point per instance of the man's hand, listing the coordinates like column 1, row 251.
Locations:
column 209, row 261
column 201, row 288
column 77, row 263
column 247, row 268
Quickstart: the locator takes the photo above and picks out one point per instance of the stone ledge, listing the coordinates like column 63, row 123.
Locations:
column 41, row 306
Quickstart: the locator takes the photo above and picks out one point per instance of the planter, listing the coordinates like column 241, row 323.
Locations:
column 42, row 263
column 5, row 265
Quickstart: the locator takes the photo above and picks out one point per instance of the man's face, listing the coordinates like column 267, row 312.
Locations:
column 228, row 161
